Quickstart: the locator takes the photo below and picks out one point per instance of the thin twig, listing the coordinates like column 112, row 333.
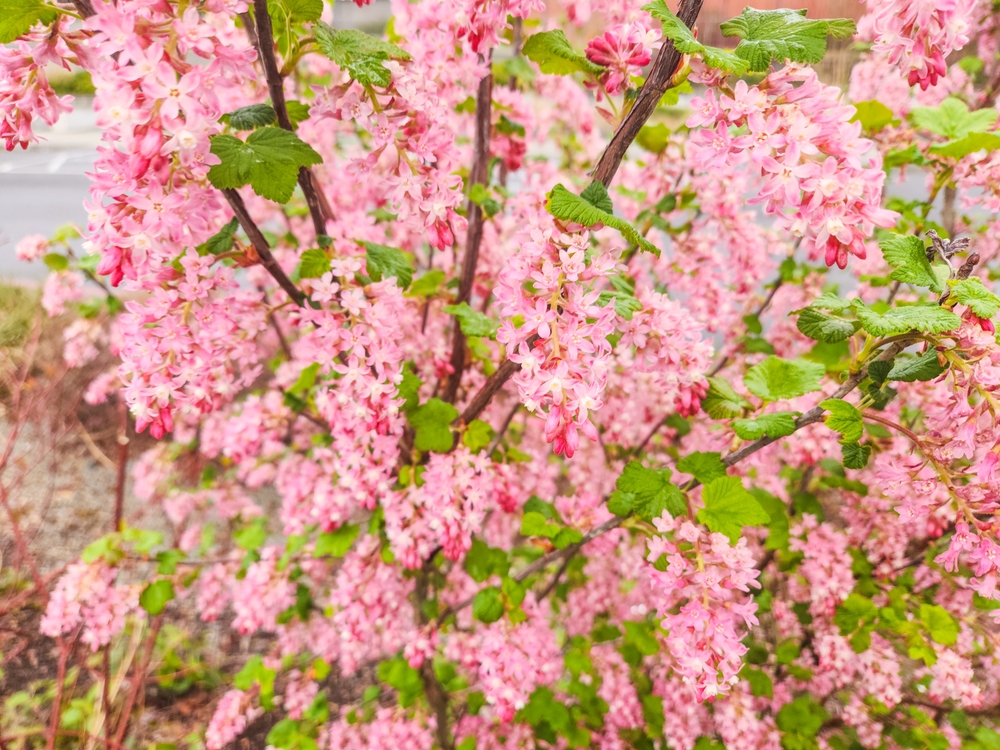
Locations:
column 474, row 237
column 261, row 247
column 122, row 464
column 503, row 428
column 276, row 88
column 657, row 82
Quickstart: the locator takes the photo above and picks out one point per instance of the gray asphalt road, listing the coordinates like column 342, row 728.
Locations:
column 44, row 187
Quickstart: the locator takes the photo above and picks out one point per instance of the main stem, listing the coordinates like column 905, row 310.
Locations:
column 474, row 237
column 276, row 88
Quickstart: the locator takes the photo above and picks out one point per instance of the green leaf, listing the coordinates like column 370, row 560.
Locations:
column 336, row 543
column 855, row 455
column 829, row 301
column 55, row 261
column 305, row 381
column 973, row 294
column 952, row 119
column 942, row 628
column 314, row 263
column 251, row 117
column 923, row 367
column 588, row 211
column 759, row 681
column 155, row 596
column 652, row 490
column 483, row 561
column 640, row 635
column 783, row 35
column 970, row 144
column 819, row 326
column 802, row 716
column 566, row 537
column 168, row 560
column 360, row 54
column 775, row 425
column 855, row 612
column 432, row 422
column 427, row 285
column 472, row 322
column 684, row 40
column 383, row 261
column 777, row 536
column 908, row 257
column 534, row 524
column 297, row 11
column 487, row 606
column 621, row 503
column 17, row 17
column 873, row 115
column 930, row 318
column 297, row 112
column 477, row 435
column 703, row 466
column 777, row 379
column 729, row 507
column 721, row 401
column 843, row 418
column 552, row 52
column 253, row 535
column 654, row 138
column 269, row 160
column 623, row 296
column 222, row 241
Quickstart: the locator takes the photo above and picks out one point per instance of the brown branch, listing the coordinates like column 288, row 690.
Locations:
column 649, row 96
column 275, row 87
column 474, row 237
column 261, row 247
column 493, row 383
column 810, row 417
column 122, row 465
column 437, row 696
column 816, row 413
column 648, row 99
column 84, row 7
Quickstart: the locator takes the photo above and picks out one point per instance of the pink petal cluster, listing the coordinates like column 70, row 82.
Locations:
column 86, row 595
column 232, row 715
column 25, row 91
column 811, row 157
column 917, row 35
column 623, row 49
column 515, row 659
column 563, row 370
column 703, row 600
column 449, row 505
column 389, row 728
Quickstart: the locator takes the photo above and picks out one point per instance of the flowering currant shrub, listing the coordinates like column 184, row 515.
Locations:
column 566, row 408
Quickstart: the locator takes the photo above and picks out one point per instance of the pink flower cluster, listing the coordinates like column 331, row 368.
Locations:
column 826, row 570
column 623, row 49
column 455, row 493
column 703, row 600
column 563, row 370
column 150, row 198
column 810, row 156
column 190, row 346
column 389, row 728
column 917, row 35
column 25, row 91
column 86, row 595
column 232, row 715
column 515, row 659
